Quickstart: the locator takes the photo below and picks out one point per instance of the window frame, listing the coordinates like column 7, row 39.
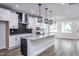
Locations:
column 65, row 28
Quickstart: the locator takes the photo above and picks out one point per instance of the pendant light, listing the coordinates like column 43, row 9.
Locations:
column 39, row 17
column 46, row 20
column 50, row 21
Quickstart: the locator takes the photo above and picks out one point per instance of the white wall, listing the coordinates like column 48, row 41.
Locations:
column 74, row 33
column 2, row 35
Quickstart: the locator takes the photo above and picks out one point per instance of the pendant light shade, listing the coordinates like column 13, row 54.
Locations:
column 39, row 17
column 46, row 20
column 50, row 21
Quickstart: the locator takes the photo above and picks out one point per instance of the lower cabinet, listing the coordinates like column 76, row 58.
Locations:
column 14, row 41
column 18, row 40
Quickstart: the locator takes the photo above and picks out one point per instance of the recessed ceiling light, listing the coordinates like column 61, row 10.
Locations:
column 17, row 6
column 62, row 3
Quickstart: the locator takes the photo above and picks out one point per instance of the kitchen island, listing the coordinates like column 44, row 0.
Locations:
column 38, row 43
column 14, row 40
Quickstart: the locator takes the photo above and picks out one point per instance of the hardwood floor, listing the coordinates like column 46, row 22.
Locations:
column 13, row 52
column 67, row 47
column 16, row 52
column 62, row 47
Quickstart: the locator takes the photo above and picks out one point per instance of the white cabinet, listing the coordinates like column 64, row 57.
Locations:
column 14, row 41
column 12, row 17
column 13, row 20
column 4, row 14
column 32, row 23
column 18, row 40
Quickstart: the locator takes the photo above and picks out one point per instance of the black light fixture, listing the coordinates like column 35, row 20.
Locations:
column 39, row 17
column 50, row 21
column 46, row 20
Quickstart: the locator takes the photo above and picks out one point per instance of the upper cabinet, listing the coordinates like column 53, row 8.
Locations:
column 13, row 20
column 10, row 16
column 4, row 14
column 31, row 22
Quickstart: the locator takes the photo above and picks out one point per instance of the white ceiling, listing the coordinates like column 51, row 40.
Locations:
column 59, row 10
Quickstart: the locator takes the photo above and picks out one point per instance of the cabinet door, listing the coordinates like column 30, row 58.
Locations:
column 12, row 41
column 14, row 20
column 4, row 14
column 18, row 40
column 32, row 22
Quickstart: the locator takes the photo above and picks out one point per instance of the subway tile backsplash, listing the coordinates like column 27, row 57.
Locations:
column 17, row 31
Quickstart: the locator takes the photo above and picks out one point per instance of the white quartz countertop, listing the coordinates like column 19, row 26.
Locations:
column 25, row 34
column 34, row 37
column 4, row 20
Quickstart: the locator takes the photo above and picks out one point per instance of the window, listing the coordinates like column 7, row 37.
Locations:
column 66, row 27
column 53, row 27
